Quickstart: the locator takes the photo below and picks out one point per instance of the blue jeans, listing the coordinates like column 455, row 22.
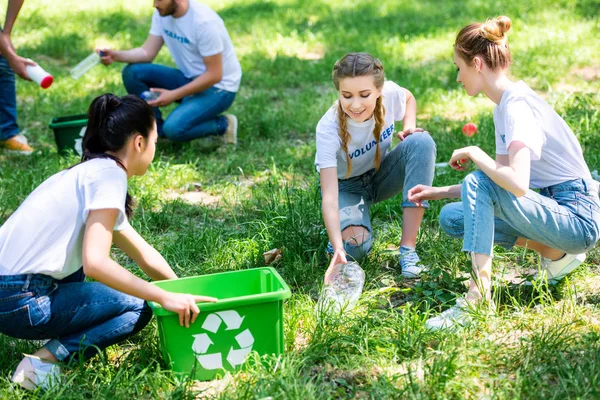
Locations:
column 565, row 216
column 197, row 115
column 8, row 101
column 79, row 317
column 410, row 163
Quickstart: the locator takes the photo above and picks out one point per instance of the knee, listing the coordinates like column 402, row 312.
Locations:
column 173, row 130
column 452, row 220
column 129, row 73
column 357, row 242
column 423, row 142
column 476, row 180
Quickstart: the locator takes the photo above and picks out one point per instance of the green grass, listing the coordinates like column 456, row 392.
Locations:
column 540, row 343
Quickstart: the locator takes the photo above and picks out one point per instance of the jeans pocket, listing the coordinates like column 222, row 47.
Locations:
column 21, row 313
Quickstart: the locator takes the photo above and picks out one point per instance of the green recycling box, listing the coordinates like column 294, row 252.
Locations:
column 248, row 317
column 68, row 133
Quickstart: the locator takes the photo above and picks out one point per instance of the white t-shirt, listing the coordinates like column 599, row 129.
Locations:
column 556, row 154
column 45, row 234
column 197, row 34
column 362, row 145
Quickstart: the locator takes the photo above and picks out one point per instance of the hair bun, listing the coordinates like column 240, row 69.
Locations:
column 112, row 102
column 504, row 23
column 495, row 29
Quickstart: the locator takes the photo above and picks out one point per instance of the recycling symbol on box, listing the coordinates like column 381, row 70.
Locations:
column 213, row 322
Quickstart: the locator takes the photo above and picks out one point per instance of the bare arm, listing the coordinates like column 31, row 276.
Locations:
column 330, row 206
column 98, row 265
column 144, row 54
column 409, row 123
column 513, row 177
column 145, row 256
column 212, row 75
column 17, row 63
column 12, row 11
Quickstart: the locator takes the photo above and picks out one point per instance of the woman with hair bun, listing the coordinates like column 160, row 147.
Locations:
column 535, row 149
column 64, row 230
column 356, row 167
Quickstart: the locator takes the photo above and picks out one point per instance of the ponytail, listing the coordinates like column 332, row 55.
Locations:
column 112, row 120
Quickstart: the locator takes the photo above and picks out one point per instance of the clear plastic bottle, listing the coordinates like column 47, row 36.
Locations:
column 84, row 66
column 347, row 281
column 149, row 96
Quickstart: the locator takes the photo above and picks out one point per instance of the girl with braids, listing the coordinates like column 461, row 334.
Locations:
column 64, row 230
column 355, row 166
column 535, row 148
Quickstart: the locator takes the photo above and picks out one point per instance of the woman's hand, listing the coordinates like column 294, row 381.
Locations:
column 407, row 132
column 462, row 156
column 339, row 257
column 418, row 194
column 184, row 305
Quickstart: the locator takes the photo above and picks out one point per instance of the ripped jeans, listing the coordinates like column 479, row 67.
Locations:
column 410, row 163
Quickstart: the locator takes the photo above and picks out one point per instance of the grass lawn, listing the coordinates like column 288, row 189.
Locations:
column 210, row 209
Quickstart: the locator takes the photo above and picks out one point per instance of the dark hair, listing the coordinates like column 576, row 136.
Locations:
column 488, row 40
column 112, row 120
column 350, row 66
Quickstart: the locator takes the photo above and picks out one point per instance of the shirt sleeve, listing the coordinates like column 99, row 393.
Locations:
column 210, row 41
column 155, row 28
column 106, row 189
column 395, row 98
column 521, row 125
column 328, row 142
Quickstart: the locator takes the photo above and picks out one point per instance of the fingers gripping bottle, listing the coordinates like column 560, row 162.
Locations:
column 39, row 76
column 149, row 96
column 347, row 281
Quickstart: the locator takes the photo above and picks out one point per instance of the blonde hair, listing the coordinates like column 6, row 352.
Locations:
column 350, row 66
column 487, row 40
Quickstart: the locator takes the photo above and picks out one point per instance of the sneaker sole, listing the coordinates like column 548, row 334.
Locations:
column 564, row 272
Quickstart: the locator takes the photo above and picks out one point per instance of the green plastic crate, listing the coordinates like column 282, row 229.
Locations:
column 248, row 317
column 68, row 133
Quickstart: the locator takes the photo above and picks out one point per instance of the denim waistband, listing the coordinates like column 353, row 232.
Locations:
column 24, row 281
column 585, row 186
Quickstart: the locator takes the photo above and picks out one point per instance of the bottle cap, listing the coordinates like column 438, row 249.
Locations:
column 46, row 82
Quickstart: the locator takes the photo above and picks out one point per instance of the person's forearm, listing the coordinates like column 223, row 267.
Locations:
column 12, row 11
column 450, row 192
column 331, row 217
column 115, row 276
column 503, row 175
column 156, row 267
column 199, row 84
column 137, row 55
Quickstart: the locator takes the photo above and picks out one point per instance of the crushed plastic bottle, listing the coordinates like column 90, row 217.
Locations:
column 84, row 66
column 347, row 281
column 149, row 96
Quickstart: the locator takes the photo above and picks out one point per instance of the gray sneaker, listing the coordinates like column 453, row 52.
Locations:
column 410, row 263
column 230, row 135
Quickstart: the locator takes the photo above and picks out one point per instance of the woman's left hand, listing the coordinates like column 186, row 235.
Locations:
column 407, row 132
column 462, row 156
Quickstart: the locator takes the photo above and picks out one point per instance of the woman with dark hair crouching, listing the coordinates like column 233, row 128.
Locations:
column 64, row 230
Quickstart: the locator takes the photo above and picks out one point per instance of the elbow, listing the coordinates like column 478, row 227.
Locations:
column 92, row 267
column 520, row 191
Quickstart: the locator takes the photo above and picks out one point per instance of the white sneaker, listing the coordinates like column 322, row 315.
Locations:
column 454, row 317
column 554, row 271
column 230, row 135
column 32, row 372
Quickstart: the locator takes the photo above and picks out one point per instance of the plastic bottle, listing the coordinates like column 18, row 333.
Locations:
column 347, row 281
column 84, row 66
column 149, row 96
column 39, row 75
